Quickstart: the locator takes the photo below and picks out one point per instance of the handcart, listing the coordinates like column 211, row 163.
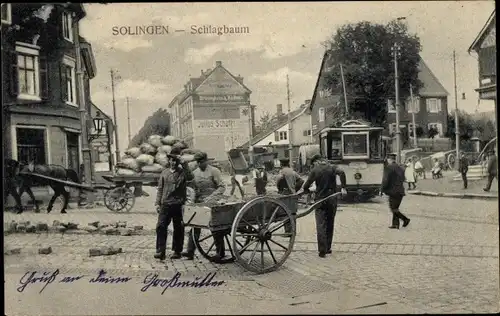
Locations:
column 264, row 225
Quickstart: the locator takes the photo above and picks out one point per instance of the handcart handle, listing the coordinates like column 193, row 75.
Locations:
column 317, row 204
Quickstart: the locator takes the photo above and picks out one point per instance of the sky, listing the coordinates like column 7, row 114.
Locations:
column 283, row 38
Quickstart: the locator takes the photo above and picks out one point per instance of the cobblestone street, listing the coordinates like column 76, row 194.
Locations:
column 446, row 260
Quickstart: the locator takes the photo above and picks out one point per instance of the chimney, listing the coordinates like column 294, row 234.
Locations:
column 279, row 109
column 218, row 63
column 240, row 79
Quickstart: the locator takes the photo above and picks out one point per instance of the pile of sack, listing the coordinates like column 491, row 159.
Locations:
column 151, row 157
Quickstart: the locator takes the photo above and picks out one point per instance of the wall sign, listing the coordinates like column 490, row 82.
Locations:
column 222, row 98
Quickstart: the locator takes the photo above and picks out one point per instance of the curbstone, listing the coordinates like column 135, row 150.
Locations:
column 94, row 224
column 31, row 229
column 91, row 229
column 42, row 227
column 15, row 251
column 456, row 195
column 45, row 251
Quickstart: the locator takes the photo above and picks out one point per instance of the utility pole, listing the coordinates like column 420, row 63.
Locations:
column 457, row 131
column 114, row 116
column 395, row 51
column 84, row 121
column 412, row 102
column 290, row 145
column 128, row 121
column 250, row 133
column 345, row 92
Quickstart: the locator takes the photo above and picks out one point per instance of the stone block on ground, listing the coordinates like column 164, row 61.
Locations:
column 94, row 224
column 90, row 229
column 45, row 251
column 30, row 228
column 14, row 251
column 56, row 223
column 103, row 226
column 121, row 224
column 111, row 231
column 70, row 225
column 61, row 228
column 126, row 231
column 138, row 227
column 104, row 251
column 80, row 232
column 94, row 252
column 21, row 228
column 42, row 227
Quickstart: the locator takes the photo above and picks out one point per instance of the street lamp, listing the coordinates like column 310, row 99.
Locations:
column 98, row 122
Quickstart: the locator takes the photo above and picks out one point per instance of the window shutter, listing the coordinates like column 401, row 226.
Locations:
column 305, row 133
column 276, row 136
column 44, row 79
column 64, row 86
column 14, row 74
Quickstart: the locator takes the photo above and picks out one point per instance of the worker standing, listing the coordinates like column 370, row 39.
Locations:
column 170, row 200
column 208, row 186
column 288, row 183
column 324, row 175
column 260, row 178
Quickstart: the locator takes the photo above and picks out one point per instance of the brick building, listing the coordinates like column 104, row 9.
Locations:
column 213, row 112
column 41, row 120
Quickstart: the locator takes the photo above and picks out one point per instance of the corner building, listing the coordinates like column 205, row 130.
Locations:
column 213, row 112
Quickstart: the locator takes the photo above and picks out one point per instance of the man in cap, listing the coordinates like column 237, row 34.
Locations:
column 492, row 170
column 324, row 175
column 260, row 177
column 288, row 182
column 170, row 200
column 463, row 167
column 208, row 186
column 393, row 186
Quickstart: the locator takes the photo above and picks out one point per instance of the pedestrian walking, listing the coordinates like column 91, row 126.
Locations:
column 237, row 182
column 463, row 167
column 170, row 200
column 410, row 174
column 393, row 187
column 492, row 170
column 324, row 175
column 419, row 169
column 260, row 179
column 208, row 186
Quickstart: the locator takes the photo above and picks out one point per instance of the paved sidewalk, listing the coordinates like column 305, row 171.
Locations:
column 448, row 186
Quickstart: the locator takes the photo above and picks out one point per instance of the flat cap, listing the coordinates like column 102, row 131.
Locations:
column 175, row 152
column 392, row 156
column 200, row 156
column 315, row 158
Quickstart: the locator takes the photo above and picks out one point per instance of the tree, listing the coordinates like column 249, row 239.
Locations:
column 157, row 124
column 467, row 126
column 265, row 122
column 365, row 51
column 432, row 132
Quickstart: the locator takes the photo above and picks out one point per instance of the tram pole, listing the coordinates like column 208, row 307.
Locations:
column 290, row 145
column 457, row 126
column 395, row 50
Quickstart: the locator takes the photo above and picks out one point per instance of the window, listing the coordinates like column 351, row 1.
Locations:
column 438, row 127
column 30, row 145
column 321, row 114
column 307, row 132
column 67, row 26
column 355, row 145
column 391, row 108
column 73, row 151
column 392, row 128
column 68, row 81
column 6, row 13
column 282, row 136
column 28, row 75
column 413, row 108
column 433, row 105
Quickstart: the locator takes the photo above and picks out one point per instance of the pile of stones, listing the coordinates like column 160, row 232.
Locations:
column 117, row 228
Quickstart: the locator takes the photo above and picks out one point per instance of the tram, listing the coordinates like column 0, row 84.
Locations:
column 359, row 150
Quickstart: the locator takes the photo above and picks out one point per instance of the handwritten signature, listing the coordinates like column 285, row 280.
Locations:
column 150, row 281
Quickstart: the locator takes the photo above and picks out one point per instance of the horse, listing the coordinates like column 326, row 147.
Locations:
column 54, row 171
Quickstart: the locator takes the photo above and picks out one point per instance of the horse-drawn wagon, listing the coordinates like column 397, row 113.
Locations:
column 248, row 228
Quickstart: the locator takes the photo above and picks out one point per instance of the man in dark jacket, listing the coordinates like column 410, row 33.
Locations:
column 170, row 200
column 10, row 187
column 324, row 175
column 393, row 186
column 463, row 167
column 492, row 170
column 260, row 178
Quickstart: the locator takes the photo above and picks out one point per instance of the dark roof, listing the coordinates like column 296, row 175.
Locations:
column 277, row 123
column 315, row 92
column 482, row 33
column 95, row 109
column 432, row 87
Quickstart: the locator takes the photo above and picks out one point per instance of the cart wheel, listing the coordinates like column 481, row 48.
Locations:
column 207, row 247
column 119, row 199
column 268, row 227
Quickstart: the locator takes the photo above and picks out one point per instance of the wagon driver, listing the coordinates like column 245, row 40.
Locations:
column 208, row 186
column 170, row 200
column 324, row 175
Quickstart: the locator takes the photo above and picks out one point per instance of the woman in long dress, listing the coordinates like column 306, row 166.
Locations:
column 410, row 175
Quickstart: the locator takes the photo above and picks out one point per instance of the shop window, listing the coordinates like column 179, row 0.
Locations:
column 31, row 145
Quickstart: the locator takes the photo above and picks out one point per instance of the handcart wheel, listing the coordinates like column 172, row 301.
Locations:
column 206, row 245
column 119, row 199
column 268, row 226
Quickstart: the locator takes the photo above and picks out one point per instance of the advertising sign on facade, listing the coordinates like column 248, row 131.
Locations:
column 216, row 112
column 216, row 124
column 222, row 98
